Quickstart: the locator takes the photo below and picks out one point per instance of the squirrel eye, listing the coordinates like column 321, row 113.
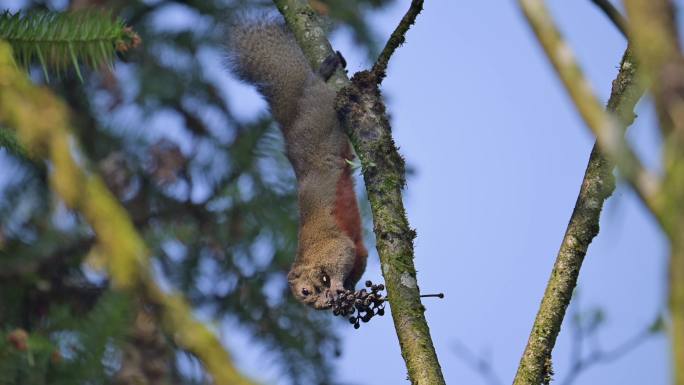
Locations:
column 326, row 280
column 305, row 292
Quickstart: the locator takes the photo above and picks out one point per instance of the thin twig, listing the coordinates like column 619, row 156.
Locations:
column 613, row 15
column 603, row 357
column 396, row 39
column 481, row 365
column 599, row 356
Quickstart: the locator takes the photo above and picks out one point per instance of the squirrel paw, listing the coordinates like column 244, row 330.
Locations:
column 330, row 64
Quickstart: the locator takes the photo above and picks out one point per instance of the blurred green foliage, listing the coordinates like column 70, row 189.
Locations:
column 65, row 349
column 205, row 183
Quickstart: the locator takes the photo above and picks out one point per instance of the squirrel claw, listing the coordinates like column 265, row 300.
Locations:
column 330, row 64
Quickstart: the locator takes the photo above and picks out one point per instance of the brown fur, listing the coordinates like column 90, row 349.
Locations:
column 330, row 235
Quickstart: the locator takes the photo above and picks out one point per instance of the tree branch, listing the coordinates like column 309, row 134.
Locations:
column 598, row 356
column 42, row 125
column 363, row 115
column 656, row 44
column 608, row 134
column 396, row 39
column 613, row 15
column 598, row 184
column 480, row 364
column 308, row 30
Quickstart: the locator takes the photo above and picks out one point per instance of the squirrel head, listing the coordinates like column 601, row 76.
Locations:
column 320, row 273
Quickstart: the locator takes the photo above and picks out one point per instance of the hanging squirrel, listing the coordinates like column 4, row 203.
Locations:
column 331, row 255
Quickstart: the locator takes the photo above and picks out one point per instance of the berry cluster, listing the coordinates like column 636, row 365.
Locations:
column 360, row 305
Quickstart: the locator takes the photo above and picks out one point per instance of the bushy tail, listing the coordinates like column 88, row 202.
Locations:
column 266, row 54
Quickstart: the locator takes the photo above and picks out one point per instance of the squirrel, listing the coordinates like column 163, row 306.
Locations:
column 331, row 255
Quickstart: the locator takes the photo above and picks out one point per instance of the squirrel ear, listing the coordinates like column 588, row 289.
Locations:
column 294, row 274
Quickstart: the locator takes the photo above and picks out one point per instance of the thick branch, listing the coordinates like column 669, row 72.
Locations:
column 598, row 184
column 42, row 125
column 361, row 110
column 363, row 115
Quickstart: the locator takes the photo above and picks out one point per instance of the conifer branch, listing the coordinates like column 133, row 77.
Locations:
column 9, row 142
column 42, row 124
column 58, row 40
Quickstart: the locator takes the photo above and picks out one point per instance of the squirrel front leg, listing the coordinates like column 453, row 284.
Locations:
column 331, row 255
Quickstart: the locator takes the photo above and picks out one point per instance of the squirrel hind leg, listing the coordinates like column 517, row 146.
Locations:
column 330, row 64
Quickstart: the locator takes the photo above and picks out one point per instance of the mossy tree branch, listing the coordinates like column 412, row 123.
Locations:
column 598, row 184
column 42, row 124
column 361, row 110
column 656, row 43
column 396, row 39
column 362, row 113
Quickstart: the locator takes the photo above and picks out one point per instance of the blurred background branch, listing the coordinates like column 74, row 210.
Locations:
column 613, row 15
column 48, row 136
column 480, row 363
column 584, row 326
column 605, row 127
column 657, row 46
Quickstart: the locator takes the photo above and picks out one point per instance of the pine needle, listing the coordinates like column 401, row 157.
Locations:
column 58, row 40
